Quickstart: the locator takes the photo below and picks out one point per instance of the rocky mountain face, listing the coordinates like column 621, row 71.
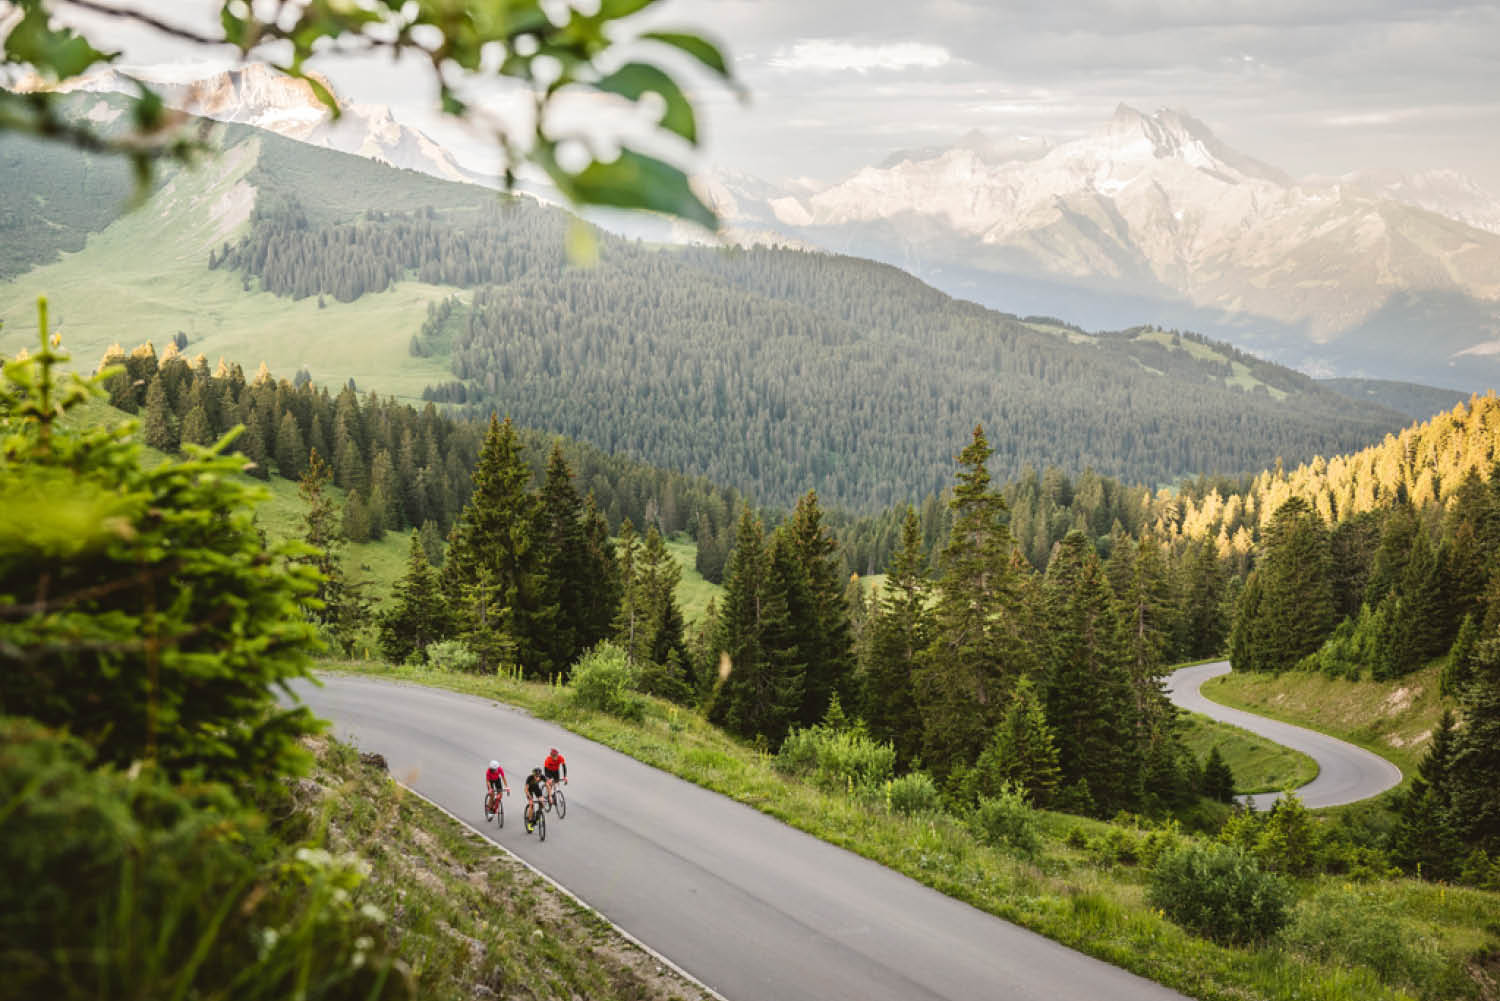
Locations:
column 255, row 94
column 1153, row 219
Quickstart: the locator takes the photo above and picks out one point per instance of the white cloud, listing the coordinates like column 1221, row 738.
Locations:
column 826, row 54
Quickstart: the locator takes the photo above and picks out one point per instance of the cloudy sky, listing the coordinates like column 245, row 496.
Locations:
column 1312, row 86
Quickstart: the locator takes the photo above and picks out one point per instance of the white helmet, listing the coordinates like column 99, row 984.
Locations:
column 494, row 764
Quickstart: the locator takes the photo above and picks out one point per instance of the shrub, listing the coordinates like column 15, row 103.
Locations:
column 604, row 679
column 1357, row 927
column 837, row 758
column 120, row 885
column 1288, row 842
column 912, row 794
column 1007, row 820
column 1219, row 892
column 145, row 613
column 451, row 655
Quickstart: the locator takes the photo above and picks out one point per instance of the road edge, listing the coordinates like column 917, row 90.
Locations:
column 706, row 990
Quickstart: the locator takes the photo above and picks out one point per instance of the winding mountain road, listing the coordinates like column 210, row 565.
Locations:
column 753, row 908
column 1345, row 773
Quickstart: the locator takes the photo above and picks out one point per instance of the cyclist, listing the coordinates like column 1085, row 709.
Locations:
column 494, row 778
column 534, row 792
column 554, row 767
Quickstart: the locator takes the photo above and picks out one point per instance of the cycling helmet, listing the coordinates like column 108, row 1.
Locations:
column 494, row 764
column 554, row 750
column 536, row 771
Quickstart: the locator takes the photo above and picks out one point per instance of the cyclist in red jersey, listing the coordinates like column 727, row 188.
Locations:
column 554, row 767
column 494, row 777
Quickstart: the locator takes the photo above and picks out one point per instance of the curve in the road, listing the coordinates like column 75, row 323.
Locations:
column 757, row 910
column 1346, row 773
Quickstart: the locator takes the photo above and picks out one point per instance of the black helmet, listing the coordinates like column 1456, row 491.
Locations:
column 536, row 771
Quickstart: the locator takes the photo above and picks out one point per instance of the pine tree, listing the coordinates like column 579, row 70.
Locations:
column 1204, row 628
column 822, row 627
column 344, row 606
column 602, row 599
column 160, row 424
column 964, row 682
column 754, row 697
column 1426, row 840
column 1474, row 774
column 432, row 542
column 1090, row 702
column 494, row 566
column 566, row 583
column 900, row 629
column 291, row 459
column 416, row 616
column 1022, row 750
column 196, row 429
column 1218, row 779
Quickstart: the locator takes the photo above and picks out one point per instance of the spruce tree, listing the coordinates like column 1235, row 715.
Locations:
column 1474, row 774
column 160, row 425
column 602, row 598
column 1426, row 838
column 1090, row 702
column 196, row 429
column 964, row 683
column 753, row 697
column 494, row 566
column 1218, row 779
column 344, row 606
column 899, row 631
column 566, row 582
column 291, row 459
column 416, row 616
column 824, row 634
column 1022, row 751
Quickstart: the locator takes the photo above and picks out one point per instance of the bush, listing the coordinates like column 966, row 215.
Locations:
column 1007, row 820
column 604, row 679
column 1288, row 841
column 912, row 794
column 1357, row 927
column 1219, row 892
column 1115, row 847
column 120, row 885
column 451, row 655
column 145, row 613
column 837, row 758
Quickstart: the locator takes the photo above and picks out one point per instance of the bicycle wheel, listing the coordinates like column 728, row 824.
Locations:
column 488, row 813
column 560, row 803
column 499, row 811
column 541, row 825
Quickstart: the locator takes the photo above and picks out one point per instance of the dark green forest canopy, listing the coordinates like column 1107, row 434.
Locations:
column 774, row 370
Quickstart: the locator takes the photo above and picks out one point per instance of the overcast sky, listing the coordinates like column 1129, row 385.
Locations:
column 1311, row 86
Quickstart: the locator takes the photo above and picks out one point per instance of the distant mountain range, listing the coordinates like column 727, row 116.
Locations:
column 1153, row 219
column 1150, row 219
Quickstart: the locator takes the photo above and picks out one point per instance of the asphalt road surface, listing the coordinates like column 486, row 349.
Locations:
column 1345, row 773
column 756, row 910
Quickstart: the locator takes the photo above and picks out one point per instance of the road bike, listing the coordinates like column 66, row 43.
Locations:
column 536, row 818
column 494, row 807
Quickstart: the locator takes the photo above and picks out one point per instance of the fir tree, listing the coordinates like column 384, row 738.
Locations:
column 824, row 633
column 1022, row 750
column 343, row 603
column 160, row 425
column 755, row 697
column 566, row 582
column 1090, row 702
column 1218, row 779
column 416, row 616
column 291, row 459
column 196, row 429
column 900, row 629
column 1474, row 773
column 602, row 598
column 963, row 685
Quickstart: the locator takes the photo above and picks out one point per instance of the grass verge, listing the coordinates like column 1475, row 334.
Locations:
column 1394, row 719
column 1085, row 887
column 1258, row 764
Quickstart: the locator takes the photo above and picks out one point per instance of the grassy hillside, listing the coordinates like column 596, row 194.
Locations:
column 1395, row 719
column 1258, row 764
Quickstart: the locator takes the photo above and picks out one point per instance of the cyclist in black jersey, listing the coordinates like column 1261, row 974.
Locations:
column 536, row 790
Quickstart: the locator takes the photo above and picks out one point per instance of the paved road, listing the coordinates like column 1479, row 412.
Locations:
column 753, row 908
column 1345, row 773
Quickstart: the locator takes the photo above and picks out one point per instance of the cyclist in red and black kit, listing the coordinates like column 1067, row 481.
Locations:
column 494, row 777
column 554, row 767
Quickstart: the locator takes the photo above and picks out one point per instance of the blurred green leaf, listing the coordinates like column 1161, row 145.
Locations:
column 637, row 181
column 56, row 53
column 699, row 48
column 636, row 79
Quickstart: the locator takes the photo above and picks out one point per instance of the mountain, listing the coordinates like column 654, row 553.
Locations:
column 770, row 370
column 1153, row 218
column 1416, row 402
column 258, row 95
